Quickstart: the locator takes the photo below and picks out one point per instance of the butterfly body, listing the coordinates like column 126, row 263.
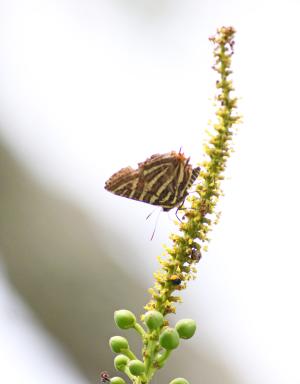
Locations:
column 162, row 180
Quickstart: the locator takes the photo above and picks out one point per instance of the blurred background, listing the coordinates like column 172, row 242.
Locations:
column 88, row 87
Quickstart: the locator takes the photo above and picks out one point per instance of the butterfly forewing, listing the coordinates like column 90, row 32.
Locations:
column 161, row 180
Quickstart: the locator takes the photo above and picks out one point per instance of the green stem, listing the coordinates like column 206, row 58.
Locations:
column 149, row 356
column 129, row 354
column 163, row 357
column 140, row 330
column 131, row 377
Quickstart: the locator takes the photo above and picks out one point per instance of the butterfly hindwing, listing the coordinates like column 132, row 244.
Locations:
column 123, row 182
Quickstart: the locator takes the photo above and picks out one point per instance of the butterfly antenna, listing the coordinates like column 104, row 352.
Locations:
column 156, row 221
column 150, row 214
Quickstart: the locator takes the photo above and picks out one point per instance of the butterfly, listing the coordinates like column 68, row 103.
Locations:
column 161, row 180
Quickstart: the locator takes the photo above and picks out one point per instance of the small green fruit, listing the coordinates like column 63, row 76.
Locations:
column 186, row 328
column 179, row 380
column 169, row 339
column 118, row 344
column 154, row 320
column 136, row 367
column 124, row 319
column 121, row 362
column 117, row 380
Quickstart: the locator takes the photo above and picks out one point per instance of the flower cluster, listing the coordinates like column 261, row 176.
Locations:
column 201, row 214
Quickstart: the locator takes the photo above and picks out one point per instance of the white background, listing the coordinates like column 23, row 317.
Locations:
column 87, row 87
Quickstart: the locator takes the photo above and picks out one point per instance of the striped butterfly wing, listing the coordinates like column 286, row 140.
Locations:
column 168, row 177
column 161, row 180
column 124, row 182
column 138, row 184
column 158, row 173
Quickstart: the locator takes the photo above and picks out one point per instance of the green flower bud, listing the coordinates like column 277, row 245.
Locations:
column 118, row 344
column 136, row 367
column 169, row 339
column 179, row 380
column 124, row 319
column 121, row 362
column 153, row 320
column 117, row 380
column 186, row 328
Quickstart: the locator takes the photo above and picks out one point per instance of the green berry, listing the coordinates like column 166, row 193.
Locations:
column 118, row 344
column 136, row 367
column 121, row 362
column 117, row 380
column 154, row 320
column 169, row 339
column 186, row 328
column 179, row 380
column 124, row 319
